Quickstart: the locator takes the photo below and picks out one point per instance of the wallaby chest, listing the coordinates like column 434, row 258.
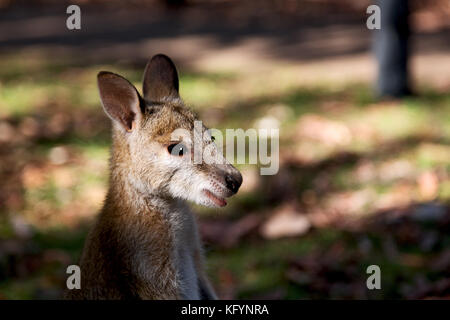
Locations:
column 186, row 241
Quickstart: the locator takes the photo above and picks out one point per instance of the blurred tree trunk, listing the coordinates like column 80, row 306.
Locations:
column 392, row 49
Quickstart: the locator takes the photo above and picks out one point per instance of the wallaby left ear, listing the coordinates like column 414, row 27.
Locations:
column 160, row 80
column 120, row 99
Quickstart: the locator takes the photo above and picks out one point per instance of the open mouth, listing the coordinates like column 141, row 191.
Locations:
column 217, row 200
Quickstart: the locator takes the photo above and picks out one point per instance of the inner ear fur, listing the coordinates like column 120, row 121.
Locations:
column 160, row 80
column 120, row 99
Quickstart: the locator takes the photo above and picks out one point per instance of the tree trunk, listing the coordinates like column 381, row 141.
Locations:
column 392, row 49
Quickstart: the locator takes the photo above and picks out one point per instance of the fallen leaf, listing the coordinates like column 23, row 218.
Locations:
column 287, row 222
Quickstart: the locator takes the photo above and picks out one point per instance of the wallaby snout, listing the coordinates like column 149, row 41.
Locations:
column 233, row 181
column 224, row 182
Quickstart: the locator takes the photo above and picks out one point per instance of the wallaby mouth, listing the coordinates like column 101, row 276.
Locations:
column 217, row 200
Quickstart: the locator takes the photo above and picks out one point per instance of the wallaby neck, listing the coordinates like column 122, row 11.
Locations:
column 126, row 195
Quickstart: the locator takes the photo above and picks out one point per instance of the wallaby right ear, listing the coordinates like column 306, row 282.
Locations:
column 120, row 99
column 160, row 79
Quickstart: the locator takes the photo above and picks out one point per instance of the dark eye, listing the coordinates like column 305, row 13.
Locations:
column 213, row 138
column 177, row 149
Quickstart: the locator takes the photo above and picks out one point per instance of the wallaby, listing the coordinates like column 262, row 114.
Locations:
column 145, row 243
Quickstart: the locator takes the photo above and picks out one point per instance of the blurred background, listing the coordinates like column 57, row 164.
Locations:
column 364, row 171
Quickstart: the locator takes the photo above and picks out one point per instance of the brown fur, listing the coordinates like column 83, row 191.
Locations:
column 144, row 233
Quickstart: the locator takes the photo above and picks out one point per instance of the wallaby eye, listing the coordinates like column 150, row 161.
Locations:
column 213, row 138
column 177, row 149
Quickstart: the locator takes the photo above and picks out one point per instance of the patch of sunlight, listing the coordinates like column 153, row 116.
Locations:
column 432, row 154
column 46, row 196
column 444, row 191
column 94, row 151
column 86, row 96
column 93, row 175
column 20, row 99
column 201, row 92
column 392, row 120
column 68, row 195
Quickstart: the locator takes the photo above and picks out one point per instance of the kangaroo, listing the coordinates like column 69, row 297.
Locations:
column 145, row 243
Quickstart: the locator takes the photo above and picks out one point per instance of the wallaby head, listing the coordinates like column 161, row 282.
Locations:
column 154, row 138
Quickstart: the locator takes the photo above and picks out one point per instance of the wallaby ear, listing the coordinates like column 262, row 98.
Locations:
column 160, row 80
column 120, row 99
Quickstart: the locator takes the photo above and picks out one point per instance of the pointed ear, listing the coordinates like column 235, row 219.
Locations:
column 160, row 80
column 120, row 99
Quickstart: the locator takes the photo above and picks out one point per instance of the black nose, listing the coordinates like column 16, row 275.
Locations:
column 233, row 183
